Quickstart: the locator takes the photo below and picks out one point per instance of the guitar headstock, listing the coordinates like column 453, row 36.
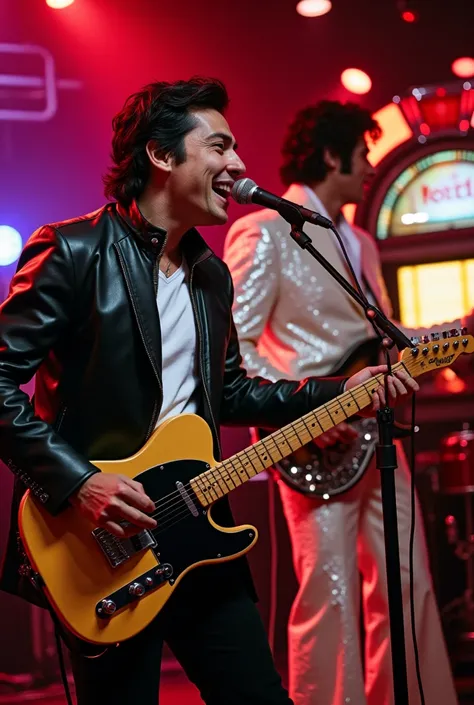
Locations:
column 436, row 351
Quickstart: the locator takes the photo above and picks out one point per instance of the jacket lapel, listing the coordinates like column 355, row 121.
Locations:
column 139, row 281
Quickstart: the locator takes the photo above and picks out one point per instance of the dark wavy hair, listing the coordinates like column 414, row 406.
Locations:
column 162, row 112
column 326, row 125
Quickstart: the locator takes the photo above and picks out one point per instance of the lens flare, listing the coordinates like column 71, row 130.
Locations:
column 356, row 81
column 59, row 4
column 10, row 245
column 313, row 8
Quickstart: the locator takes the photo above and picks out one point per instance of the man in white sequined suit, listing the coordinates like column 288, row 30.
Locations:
column 294, row 320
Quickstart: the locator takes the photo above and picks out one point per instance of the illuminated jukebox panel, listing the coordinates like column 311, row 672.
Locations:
column 421, row 203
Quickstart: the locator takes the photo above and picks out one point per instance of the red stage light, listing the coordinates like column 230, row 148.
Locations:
column 425, row 129
column 356, row 81
column 463, row 67
column 409, row 16
column 59, row 4
column 313, row 8
column 464, row 125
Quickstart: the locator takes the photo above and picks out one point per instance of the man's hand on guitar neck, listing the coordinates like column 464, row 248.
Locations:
column 400, row 386
column 109, row 500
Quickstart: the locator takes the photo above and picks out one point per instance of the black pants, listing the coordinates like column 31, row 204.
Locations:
column 221, row 645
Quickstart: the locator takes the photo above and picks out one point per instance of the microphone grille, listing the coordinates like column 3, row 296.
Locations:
column 242, row 190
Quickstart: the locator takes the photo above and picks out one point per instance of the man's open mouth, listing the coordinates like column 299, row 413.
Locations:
column 222, row 189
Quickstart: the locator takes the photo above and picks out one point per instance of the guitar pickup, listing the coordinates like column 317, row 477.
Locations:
column 117, row 550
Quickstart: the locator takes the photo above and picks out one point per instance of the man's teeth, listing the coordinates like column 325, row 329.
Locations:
column 222, row 189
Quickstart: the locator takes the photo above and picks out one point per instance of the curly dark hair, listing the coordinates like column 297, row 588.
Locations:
column 162, row 112
column 326, row 125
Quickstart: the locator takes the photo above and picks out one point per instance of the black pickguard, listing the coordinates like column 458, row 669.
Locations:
column 183, row 539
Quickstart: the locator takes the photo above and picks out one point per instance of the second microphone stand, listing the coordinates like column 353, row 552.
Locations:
column 386, row 458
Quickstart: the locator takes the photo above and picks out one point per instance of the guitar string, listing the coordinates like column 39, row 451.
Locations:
column 183, row 511
column 225, row 475
column 175, row 499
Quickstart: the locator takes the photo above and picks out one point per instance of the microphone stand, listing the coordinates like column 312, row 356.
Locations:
column 386, row 458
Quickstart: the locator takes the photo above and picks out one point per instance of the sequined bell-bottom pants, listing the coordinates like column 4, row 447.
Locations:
column 334, row 543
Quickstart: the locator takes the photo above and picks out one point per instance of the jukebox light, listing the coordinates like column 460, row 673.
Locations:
column 313, row 8
column 463, row 67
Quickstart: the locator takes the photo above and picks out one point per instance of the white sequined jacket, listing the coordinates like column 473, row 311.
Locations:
column 292, row 318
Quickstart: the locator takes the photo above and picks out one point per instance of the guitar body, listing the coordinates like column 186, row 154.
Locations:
column 104, row 589
column 77, row 575
column 325, row 473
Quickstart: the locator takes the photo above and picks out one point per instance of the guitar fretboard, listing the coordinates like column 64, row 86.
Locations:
column 229, row 474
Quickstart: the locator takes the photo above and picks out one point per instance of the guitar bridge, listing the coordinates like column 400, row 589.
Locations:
column 117, row 550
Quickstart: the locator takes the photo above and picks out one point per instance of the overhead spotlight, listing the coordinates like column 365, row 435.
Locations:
column 408, row 11
column 59, row 4
column 463, row 67
column 10, row 245
column 356, row 81
column 313, row 8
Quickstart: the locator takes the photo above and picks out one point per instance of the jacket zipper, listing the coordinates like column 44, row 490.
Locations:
column 155, row 408
column 206, row 393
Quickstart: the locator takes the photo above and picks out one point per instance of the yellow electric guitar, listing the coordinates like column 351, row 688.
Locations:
column 106, row 589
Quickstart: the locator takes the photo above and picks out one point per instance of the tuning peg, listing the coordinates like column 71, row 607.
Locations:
column 425, row 339
column 434, row 336
column 445, row 334
column 415, row 340
column 464, row 331
column 453, row 333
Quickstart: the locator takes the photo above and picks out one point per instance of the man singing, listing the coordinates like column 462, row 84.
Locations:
column 294, row 320
column 124, row 315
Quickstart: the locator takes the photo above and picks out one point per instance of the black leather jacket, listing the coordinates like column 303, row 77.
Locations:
column 82, row 316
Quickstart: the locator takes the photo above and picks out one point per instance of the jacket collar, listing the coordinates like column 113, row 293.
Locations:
column 193, row 245
column 141, row 227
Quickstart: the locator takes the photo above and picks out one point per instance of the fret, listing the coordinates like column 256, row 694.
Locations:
column 261, row 456
column 308, row 430
column 275, row 452
column 301, row 440
column 293, row 443
column 353, row 400
column 244, row 454
column 228, row 475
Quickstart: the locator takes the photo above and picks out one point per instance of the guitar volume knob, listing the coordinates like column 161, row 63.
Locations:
column 136, row 589
column 108, row 606
column 164, row 571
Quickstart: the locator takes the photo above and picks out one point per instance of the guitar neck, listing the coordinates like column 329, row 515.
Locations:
column 233, row 472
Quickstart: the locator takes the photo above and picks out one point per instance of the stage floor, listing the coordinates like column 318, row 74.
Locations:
column 175, row 690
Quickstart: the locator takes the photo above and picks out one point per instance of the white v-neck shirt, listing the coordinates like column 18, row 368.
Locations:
column 179, row 345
